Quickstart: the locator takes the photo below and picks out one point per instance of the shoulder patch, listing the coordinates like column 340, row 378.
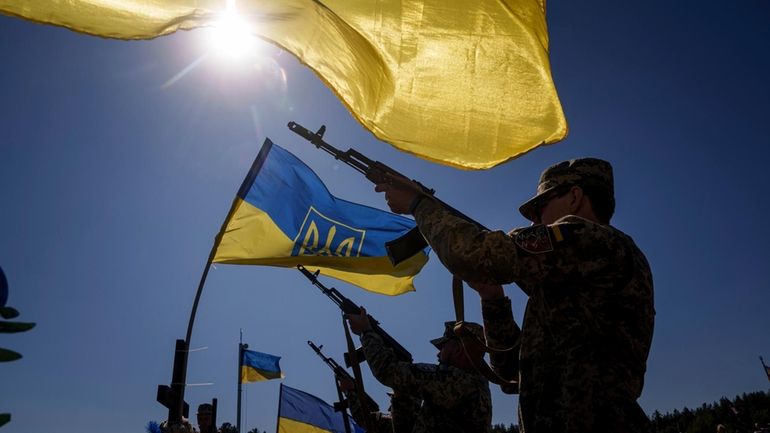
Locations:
column 535, row 239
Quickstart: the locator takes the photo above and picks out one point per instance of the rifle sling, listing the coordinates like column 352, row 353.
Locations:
column 472, row 344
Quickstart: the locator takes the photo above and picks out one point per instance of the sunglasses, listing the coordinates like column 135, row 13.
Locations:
column 542, row 201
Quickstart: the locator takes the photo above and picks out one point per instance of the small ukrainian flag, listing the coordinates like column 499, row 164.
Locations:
column 283, row 215
column 257, row 366
column 300, row 412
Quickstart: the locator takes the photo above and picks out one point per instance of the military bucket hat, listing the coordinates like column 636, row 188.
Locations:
column 558, row 178
column 449, row 333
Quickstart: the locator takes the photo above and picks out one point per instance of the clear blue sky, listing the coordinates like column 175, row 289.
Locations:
column 112, row 188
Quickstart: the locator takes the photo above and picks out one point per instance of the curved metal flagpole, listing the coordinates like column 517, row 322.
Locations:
column 244, row 187
column 183, row 367
column 202, row 282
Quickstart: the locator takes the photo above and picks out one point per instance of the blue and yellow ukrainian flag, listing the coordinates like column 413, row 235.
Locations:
column 283, row 215
column 258, row 366
column 300, row 412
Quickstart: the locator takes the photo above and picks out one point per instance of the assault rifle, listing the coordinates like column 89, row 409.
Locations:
column 342, row 373
column 410, row 243
column 348, row 307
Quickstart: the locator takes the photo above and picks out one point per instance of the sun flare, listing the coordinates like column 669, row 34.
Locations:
column 230, row 36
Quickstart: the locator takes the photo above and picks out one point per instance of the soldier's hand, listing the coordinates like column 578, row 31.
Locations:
column 400, row 193
column 486, row 291
column 359, row 322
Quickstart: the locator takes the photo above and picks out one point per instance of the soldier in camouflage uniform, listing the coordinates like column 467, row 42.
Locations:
column 588, row 324
column 403, row 410
column 455, row 398
column 205, row 421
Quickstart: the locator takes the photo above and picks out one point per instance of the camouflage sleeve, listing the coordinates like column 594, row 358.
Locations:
column 502, row 332
column 415, row 379
column 570, row 247
column 382, row 424
column 403, row 411
column 354, row 404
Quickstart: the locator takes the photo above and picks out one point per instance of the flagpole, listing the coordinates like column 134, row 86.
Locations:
column 183, row 373
column 202, row 282
column 217, row 239
column 241, row 347
column 280, row 400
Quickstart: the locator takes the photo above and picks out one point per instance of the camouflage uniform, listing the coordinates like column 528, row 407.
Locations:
column 453, row 400
column 382, row 422
column 403, row 412
column 588, row 323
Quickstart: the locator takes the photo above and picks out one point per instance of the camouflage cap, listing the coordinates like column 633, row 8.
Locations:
column 449, row 333
column 559, row 177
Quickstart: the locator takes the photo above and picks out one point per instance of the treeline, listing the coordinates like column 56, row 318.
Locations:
column 502, row 428
column 745, row 413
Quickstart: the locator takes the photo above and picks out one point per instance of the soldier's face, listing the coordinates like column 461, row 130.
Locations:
column 553, row 210
column 204, row 420
column 449, row 352
column 556, row 208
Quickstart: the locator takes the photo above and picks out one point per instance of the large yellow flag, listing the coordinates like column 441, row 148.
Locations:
column 463, row 83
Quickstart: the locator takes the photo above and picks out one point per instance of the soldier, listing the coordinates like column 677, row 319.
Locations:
column 204, row 415
column 455, row 398
column 589, row 319
column 403, row 410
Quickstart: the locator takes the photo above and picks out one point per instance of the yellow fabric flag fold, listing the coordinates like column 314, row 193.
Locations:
column 466, row 84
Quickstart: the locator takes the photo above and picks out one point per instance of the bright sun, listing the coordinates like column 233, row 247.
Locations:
column 230, row 36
